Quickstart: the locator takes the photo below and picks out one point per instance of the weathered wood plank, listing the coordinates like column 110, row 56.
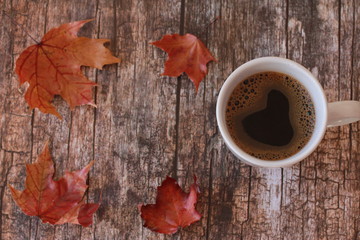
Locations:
column 16, row 132
column 292, row 212
column 72, row 138
column 201, row 150
column 327, row 160
column 194, row 127
column 135, row 118
column 349, row 190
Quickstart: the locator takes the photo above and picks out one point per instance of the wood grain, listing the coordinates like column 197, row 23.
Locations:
column 147, row 126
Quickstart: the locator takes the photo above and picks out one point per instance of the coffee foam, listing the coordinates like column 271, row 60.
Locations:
column 250, row 96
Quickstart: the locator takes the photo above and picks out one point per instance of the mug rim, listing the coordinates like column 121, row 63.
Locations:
column 319, row 101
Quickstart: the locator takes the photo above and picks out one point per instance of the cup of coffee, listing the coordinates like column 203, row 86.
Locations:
column 272, row 112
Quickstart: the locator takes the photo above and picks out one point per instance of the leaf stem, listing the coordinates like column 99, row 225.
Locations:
column 213, row 21
column 20, row 26
column 209, row 24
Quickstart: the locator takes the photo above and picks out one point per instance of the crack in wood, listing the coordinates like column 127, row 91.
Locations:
column 5, row 173
column 178, row 92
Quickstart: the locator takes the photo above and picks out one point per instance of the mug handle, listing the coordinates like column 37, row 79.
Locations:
column 342, row 113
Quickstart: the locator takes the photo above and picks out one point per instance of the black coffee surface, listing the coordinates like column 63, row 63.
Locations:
column 271, row 125
column 270, row 116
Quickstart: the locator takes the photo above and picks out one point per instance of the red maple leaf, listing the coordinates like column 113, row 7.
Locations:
column 54, row 202
column 173, row 208
column 52, row 67
column 186, row 54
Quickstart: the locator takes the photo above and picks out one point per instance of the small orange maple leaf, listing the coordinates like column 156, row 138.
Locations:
column 55, row 202
column 52, row 67
column 186, row 54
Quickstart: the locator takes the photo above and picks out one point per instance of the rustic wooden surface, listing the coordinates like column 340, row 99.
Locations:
column 147, row 126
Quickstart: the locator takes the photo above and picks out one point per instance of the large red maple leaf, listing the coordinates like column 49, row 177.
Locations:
column 54, row 202
column 52, row 67
column 186, row 54
column 173, row 208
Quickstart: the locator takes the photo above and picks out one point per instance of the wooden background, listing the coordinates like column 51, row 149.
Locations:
column 147, row 126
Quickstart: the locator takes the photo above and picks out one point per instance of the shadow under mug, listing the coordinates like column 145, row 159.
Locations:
column 326, row 114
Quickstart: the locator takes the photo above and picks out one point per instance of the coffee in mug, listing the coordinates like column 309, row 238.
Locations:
column 280, row 119
column 270, row 115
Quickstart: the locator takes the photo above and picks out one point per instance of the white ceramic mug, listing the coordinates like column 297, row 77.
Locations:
column 326, row 114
